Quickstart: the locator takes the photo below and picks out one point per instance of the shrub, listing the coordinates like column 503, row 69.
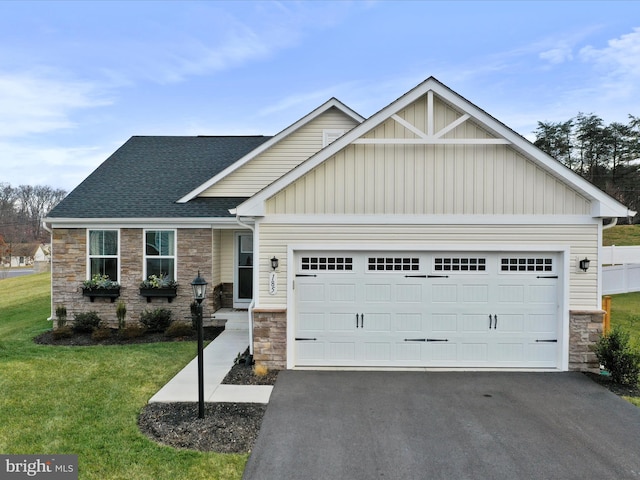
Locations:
column 132, row 331
column 178, row 329
column 61, row 315
column 156, row 320
column 64, row 331
column 121, row 312
column 618, row 357
column 260, row 370
column 86, row 322
column 101, row 333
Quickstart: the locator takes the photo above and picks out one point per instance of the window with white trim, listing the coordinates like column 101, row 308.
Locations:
column 460, row 264
column 333, row 264
column 103, row 253
column 160, row 253
column 393, row 264
column 526, row 264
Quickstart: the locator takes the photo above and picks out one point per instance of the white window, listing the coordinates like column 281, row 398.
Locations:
column 330, row 136
column 103, row 253
column 160, row 253
column 528, row 264
column 320, row 264
column 460, row 264
column 393, row 264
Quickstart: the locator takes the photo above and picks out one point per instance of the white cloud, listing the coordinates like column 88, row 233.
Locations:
column 41, row 101
column 621, row 57
column 58, row 167
column 557, row 55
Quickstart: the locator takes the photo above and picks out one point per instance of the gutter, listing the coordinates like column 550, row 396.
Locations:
column 255, row 274
column 46, row 227
column 614, row 222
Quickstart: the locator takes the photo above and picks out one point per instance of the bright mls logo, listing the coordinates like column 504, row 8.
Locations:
column 50, row 467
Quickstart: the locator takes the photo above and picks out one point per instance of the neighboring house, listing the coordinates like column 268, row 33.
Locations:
column 23, row 254
column 428, row 235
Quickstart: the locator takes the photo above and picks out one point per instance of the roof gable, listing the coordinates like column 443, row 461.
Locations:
column 333, row 103
column 466, row 124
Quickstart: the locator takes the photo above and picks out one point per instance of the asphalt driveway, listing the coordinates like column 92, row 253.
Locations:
column 437, row 425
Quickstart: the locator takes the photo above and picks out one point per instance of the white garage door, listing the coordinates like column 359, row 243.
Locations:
column 427, row 309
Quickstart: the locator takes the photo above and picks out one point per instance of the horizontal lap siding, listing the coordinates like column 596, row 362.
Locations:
column 582, row 240
column 279, row 159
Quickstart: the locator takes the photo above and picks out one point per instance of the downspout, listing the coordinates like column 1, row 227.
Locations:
column 44, row 225
column 613, row 223
column 253, row 301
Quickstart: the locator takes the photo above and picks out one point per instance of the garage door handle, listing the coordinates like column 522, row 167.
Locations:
column 357, row 320
column 493, row 319
column 547, row 341
column 306, row 339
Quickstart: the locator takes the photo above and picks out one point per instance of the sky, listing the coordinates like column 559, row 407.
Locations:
column 78, row 78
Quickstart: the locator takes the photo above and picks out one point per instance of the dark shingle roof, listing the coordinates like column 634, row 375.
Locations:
column 145, row 177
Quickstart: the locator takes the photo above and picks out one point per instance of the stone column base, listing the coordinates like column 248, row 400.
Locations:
column 585, row 329
column 270, row 338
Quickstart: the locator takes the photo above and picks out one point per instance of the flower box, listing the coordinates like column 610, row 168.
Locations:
column 164, row 292
column 93, row 293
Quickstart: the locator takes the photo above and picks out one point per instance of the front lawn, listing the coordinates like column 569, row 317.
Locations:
column 86, row 400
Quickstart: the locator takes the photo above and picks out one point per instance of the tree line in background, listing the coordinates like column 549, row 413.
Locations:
column 606, row 155
column 22, row 210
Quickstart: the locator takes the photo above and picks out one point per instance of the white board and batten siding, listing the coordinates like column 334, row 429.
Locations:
column 281, row 157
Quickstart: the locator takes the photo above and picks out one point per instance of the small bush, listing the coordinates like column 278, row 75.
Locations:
column 86, row 322
column 101, row 333
column 260, row 370
column 121, row 313
column 178, row 329
column 618, row 357
column 64, row 331
column 61, row 315
column 131, row 331
column 156, row 320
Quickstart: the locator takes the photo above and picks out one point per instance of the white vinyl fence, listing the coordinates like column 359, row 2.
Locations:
column 622, row 271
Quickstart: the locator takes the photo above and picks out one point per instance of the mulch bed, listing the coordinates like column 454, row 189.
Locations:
column 621, row 390
column 85, row 340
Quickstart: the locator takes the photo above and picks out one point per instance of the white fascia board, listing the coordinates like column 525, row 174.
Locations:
column 202, row 222
column 610, row 206
column 332, row 103
column 431, row 219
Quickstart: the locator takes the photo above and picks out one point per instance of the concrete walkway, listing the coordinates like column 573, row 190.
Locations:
column 218, row 360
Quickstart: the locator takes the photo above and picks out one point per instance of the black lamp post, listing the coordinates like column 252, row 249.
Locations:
column 199, row 286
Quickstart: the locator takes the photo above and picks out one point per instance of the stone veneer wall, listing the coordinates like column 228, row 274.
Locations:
column 270, row 338
column 585, row 329
column 69, row 270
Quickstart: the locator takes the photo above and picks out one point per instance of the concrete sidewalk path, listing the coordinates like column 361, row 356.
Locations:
column 218, row 360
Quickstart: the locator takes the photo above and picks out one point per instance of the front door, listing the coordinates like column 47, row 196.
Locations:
column 243, row 289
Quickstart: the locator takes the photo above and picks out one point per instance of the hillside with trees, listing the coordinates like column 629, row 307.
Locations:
column 606, row 155
column 22, row 210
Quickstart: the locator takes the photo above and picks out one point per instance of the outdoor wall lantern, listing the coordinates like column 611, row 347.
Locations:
column 274, row 263
column 199, row 286
column 584, row 264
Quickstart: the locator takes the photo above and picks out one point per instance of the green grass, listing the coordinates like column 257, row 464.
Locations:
column 625, row 312
column 86, row 400
column 622, row 235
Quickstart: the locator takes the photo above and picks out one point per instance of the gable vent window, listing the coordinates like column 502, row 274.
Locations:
column 330, row 136
column 393, row 264
column 319, row 264
column 460, row 264
column 526, row 264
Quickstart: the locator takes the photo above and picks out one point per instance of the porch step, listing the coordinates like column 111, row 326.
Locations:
column 234, row 319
